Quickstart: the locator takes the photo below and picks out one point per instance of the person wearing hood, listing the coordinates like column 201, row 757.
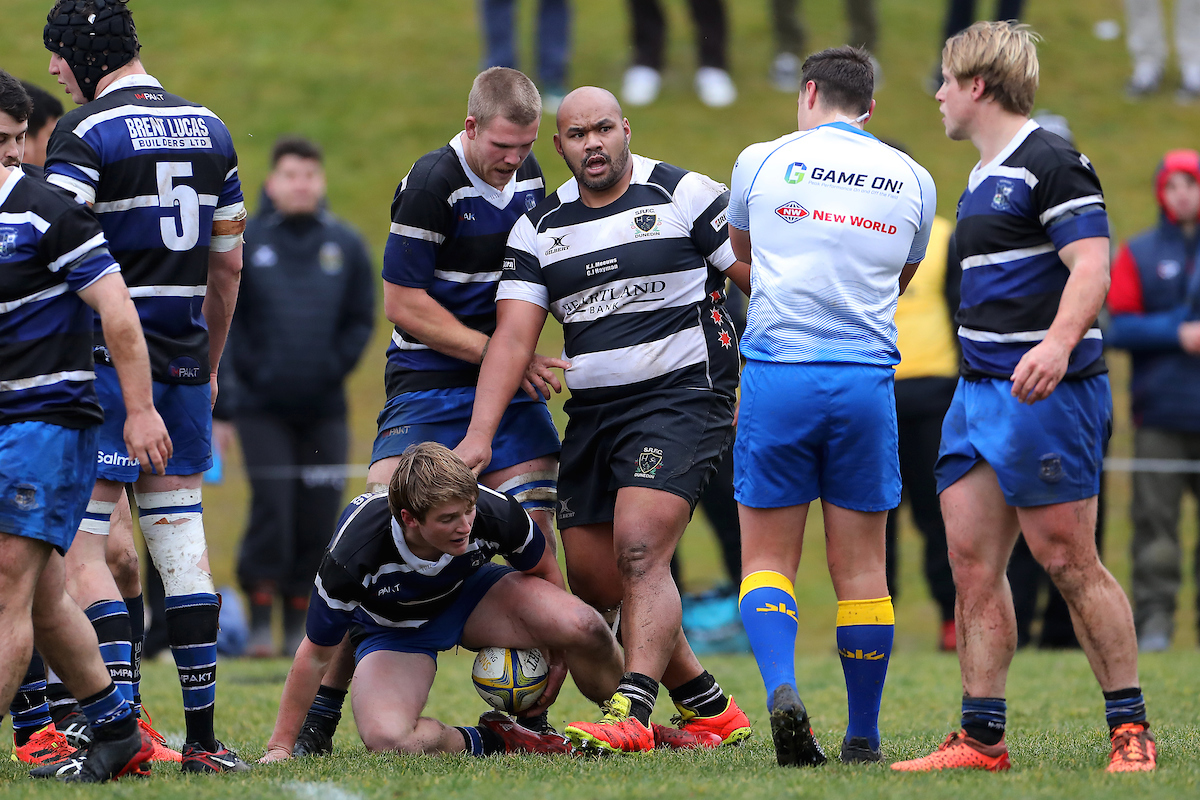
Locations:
column 305, row 313
column 1155, row 307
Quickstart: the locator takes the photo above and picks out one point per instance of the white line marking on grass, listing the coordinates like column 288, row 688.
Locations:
column 323, row 790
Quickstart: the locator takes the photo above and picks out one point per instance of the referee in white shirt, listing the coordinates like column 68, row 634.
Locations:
column 834, row 224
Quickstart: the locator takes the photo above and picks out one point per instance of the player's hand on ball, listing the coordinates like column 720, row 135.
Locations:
column 554, row 681
column 147, row 440
column 540, row 378
column 1039, row 371
column 474, row 453
column 275, row 753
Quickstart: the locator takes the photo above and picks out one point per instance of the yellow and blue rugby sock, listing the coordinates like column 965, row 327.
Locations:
column 865, row 629
column 768, row 608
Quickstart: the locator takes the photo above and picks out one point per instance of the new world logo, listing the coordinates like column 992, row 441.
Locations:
column 792, row 211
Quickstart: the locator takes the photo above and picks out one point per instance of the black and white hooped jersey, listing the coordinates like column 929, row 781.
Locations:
column 369, row 575
column 447, row 237
column 161, row 175
column 1037, row 196
column 637, row 284
column 50, row 248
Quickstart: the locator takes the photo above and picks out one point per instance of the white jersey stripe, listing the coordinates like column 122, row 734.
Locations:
column 417, row 233
column 82, row 250
column 1022, row 337
column 639, row 362
column 168, row 291
column 1006, row 256
column 18, row 384
column 83, row 128
column 24, row 218
column 1053, row 213
column 466, row 277
column 45, row 294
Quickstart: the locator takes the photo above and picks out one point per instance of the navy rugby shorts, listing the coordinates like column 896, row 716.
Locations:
column 817, row 430
column 670, row 440
column 526, row 430
column 1045, row 453
column 443, row 632
column 186, row 411
column 46, row 477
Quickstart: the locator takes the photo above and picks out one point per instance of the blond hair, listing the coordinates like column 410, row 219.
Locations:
column 1004, row 55
column 429, row 475
column 506, row 93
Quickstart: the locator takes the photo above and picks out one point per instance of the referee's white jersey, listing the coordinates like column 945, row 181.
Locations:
column 834, row 215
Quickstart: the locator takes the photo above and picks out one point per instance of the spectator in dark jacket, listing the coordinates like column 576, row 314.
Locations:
column 1155, row 307
column 304, row 315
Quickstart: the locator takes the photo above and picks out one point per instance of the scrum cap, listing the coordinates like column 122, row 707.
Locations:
column 94, row 37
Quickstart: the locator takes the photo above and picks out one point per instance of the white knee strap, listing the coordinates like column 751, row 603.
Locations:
column 173, row 527
column 97, row 518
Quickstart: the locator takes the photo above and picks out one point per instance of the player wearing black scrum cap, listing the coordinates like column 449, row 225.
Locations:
column 161, row 175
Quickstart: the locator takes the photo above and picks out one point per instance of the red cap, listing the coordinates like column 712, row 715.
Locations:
column 1175, row 161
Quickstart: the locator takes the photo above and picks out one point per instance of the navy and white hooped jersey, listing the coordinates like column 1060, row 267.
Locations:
column 50, row 248
column 834, row 215
column 161, row 176
column 371, row 577
column 447, row 237
column 1034, row 198
column 638, row 284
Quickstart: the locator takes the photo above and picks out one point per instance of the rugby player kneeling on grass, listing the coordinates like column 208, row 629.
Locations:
column 408, row 574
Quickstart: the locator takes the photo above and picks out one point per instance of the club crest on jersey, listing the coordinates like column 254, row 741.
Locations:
column 1004, row 189
column 792, row 211
column 530, row 202
column 8, row 242
column 645, row 223
column 795, row 172
column 331, row 258
column 648, row 463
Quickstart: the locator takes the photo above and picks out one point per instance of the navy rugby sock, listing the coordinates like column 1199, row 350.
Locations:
column 30, row 709
column 1121, row 707
column 192, row 629
column 701, row 695
column 109, row 715
column 137, row 640
column 110, row 618
column 984, row 718
column 481, row 741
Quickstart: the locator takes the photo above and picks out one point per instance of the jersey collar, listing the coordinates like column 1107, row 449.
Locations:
column 10, row 182
column 981, row 172
column 500, row 198
column 131, row 82
column 845, row 126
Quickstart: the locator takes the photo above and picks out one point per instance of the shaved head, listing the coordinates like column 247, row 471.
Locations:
column 593, row 138
column 588, row 100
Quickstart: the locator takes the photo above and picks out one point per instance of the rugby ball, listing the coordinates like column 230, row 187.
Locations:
column 510, row 680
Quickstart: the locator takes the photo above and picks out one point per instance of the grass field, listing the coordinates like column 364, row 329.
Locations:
column 379, row 84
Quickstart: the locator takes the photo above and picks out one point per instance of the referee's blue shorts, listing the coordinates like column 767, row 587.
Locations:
column 817, row 430
column 1045, row 453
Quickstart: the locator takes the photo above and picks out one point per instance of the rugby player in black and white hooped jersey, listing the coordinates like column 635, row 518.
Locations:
column 631, row 255
column 408, row 574
column 451, row 216
column 161, row 175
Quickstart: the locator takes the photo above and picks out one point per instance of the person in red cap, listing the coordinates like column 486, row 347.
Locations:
column 1155, row 307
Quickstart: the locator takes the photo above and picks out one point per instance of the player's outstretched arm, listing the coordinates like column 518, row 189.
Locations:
column 224, row 277
column 303, row 681
column 1040, row 370
column 429, row 321
column 146, row 436
column 508, row 355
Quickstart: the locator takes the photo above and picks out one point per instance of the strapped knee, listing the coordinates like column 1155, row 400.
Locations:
column 98, row 517
column 535, row 491
column 173, row 527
